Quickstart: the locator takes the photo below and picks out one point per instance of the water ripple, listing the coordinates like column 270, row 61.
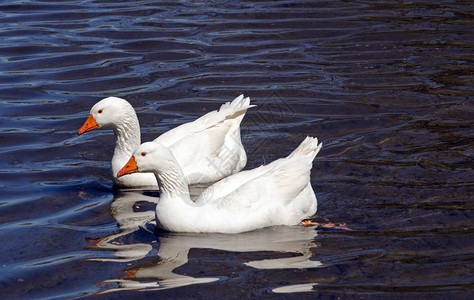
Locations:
column 386, row 86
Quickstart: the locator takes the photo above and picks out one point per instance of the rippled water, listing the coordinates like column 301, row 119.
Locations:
column 387, row 87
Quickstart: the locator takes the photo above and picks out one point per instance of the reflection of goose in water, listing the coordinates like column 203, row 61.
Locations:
column 124, row 209
column 294, row 241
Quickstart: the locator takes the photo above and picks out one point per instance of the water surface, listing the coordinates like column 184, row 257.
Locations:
column 387, row 87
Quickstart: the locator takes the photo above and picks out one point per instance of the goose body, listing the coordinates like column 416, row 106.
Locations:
column 279, row 193
column 206, row 149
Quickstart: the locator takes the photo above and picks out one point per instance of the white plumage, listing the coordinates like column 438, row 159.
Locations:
column 279, row 193
column 206, row 149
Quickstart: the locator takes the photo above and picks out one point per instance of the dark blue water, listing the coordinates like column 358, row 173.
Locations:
column 386, row 86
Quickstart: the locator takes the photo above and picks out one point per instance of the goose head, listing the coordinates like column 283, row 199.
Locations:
column 149, row 157
column 108, row 112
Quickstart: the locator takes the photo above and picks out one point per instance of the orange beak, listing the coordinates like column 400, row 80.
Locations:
column 129, row 168
column 89, row 125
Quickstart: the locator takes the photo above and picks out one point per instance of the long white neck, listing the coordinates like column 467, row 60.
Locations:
column 173, row 184
column 127, row 136
column 175, row 208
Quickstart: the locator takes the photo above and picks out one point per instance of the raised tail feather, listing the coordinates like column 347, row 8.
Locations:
column 237, row 104
column 309, row 147
column 236, row 109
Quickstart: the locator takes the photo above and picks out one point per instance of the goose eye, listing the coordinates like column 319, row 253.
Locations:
column 143, row 154
column 100, row 111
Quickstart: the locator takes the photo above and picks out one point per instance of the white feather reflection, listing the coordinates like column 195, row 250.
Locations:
column 294, row 241
column 296, row 288
column 123, row 209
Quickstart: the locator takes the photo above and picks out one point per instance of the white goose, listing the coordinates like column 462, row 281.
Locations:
column 279, row 193
column 206, row 149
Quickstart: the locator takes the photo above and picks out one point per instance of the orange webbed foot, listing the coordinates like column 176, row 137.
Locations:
column 329, row 225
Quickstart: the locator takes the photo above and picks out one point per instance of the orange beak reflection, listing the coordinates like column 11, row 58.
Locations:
column 129, row 168
column 89, row 125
